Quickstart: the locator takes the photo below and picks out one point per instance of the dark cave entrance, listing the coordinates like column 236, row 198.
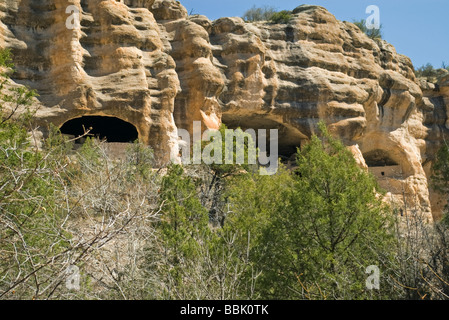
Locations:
column 289, row 138
column 110, row 129
column 382, row 165
column 379, row 158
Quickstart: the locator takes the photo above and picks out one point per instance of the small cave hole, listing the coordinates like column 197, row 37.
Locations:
column 110, row 129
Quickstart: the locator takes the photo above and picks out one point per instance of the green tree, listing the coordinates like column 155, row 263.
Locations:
column 259, row 14
column 253, row 199
column 214, row 177
column 283, row 16
column 183, row 217
column 426, row 71
column 31, row 239
column 183, row 221
column 371, row 33
column 440, row 175
column 267, row 13
column 430, row 73
column 190, row 259
column 315, row 233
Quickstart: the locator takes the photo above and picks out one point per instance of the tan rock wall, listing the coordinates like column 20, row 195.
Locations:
column 149, row 63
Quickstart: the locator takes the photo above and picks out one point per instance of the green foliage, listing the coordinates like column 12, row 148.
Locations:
column 56, row 143
column 142, row 158
column 267, row 13
column 5, row 60
column 90, row 154
column 371, row 33
column 440, row 170
column 259, row 14
column 30, row 183
column 283, row 16
column 199, row 262
column 183, row 220
column 228, row 155
column 426, row 71
column 444, row 66
column 254, row 199
column 430, row 73
column 183, row 217
column 18, row 97
column 214, row 177
column 440, row 175
column 145, row 234
column 314, row 233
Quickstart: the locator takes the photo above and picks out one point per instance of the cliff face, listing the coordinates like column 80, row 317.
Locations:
column 147, row 62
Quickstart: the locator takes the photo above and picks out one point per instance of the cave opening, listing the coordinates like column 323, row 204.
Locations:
column 109, row 129
column 383, row 166
column 289, row 138
column 379, row 158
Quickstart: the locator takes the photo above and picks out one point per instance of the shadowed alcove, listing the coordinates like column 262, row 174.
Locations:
column 110, row 129
column 382, row 165
column 379, row 158
column 289, row 138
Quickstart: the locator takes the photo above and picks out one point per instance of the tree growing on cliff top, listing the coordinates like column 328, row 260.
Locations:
column 431, row 73
column 371, row 33
column 267, row 13
column 259, row 13
column 283, row 16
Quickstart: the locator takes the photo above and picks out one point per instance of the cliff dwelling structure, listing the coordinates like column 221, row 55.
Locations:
column 142, row 69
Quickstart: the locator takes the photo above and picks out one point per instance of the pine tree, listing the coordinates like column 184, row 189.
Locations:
column 315, row 232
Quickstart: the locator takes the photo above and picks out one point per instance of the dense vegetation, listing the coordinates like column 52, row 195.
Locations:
column 267, row 13
column 259, row 14
column 374, row 34
column 430, row 73
column 201, row 232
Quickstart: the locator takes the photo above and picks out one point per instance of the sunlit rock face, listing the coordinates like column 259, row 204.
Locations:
column 149, row 63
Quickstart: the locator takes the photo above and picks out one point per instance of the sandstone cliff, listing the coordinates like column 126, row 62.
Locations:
column 149, row 63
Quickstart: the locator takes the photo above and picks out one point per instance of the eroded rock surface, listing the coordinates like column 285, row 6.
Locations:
column 151, row 64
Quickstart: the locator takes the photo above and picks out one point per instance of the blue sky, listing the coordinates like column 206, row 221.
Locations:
column 418, row 29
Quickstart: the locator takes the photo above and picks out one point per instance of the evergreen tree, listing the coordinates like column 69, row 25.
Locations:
column 440, row 176
column 315, row 232
column 371, row 33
